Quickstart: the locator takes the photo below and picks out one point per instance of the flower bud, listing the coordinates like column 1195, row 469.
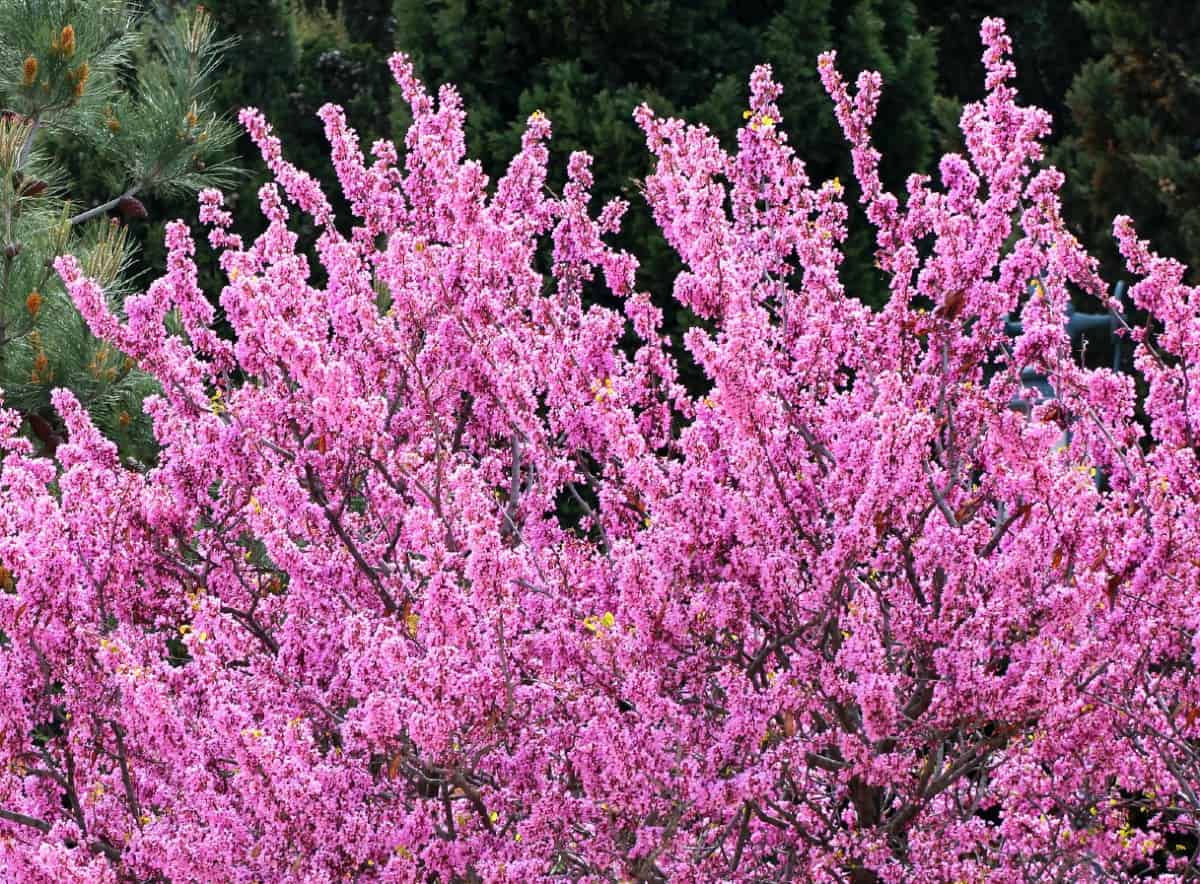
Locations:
column 79, row 77
column 33, row 303
column 29, row 71
column 66, row 41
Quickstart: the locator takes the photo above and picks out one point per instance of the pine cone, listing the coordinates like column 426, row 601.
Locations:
column 131, row 209
column 29, row 187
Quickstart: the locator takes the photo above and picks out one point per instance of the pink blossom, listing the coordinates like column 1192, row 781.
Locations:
column 458, row 584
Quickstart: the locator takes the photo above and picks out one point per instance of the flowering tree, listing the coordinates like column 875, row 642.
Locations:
column 455, row 587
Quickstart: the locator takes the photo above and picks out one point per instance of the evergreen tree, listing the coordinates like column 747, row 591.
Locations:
column 343, row 50
column 1134, row 141
column 128, row 97
column 262, row 71
column 588, row 66
column 1050, row 45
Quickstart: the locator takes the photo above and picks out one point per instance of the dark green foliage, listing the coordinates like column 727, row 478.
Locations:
column 1133, row 146
column 587, row 66
column 103, row 109
column 1120, row 77
column 261, row 71
column 1049, row 46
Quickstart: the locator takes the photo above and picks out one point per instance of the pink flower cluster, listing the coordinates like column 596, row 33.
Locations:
column 439, row 578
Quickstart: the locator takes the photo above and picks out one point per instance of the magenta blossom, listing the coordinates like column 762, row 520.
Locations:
column 455, row 587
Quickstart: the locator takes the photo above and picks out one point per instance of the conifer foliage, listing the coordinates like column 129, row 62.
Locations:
column 1134, row 137
column 128, row 98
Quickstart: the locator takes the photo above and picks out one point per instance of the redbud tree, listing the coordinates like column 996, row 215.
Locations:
column 455, row 585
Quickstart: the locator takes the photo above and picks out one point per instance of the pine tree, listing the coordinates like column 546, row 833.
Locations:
column 127, row 97
column 262, row 71
column 1134, row 138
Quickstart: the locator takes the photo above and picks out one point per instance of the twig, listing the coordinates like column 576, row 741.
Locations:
column 103, row 207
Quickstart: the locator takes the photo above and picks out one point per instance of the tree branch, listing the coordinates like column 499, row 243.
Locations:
column 103, row 207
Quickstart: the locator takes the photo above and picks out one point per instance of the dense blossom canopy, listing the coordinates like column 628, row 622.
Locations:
column 441, row 578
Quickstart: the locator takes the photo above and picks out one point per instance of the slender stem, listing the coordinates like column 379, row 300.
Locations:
column 135, row 807
column 102, row 208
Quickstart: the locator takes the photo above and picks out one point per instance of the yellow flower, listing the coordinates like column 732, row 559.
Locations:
column 603, row 390
column 595, row 624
